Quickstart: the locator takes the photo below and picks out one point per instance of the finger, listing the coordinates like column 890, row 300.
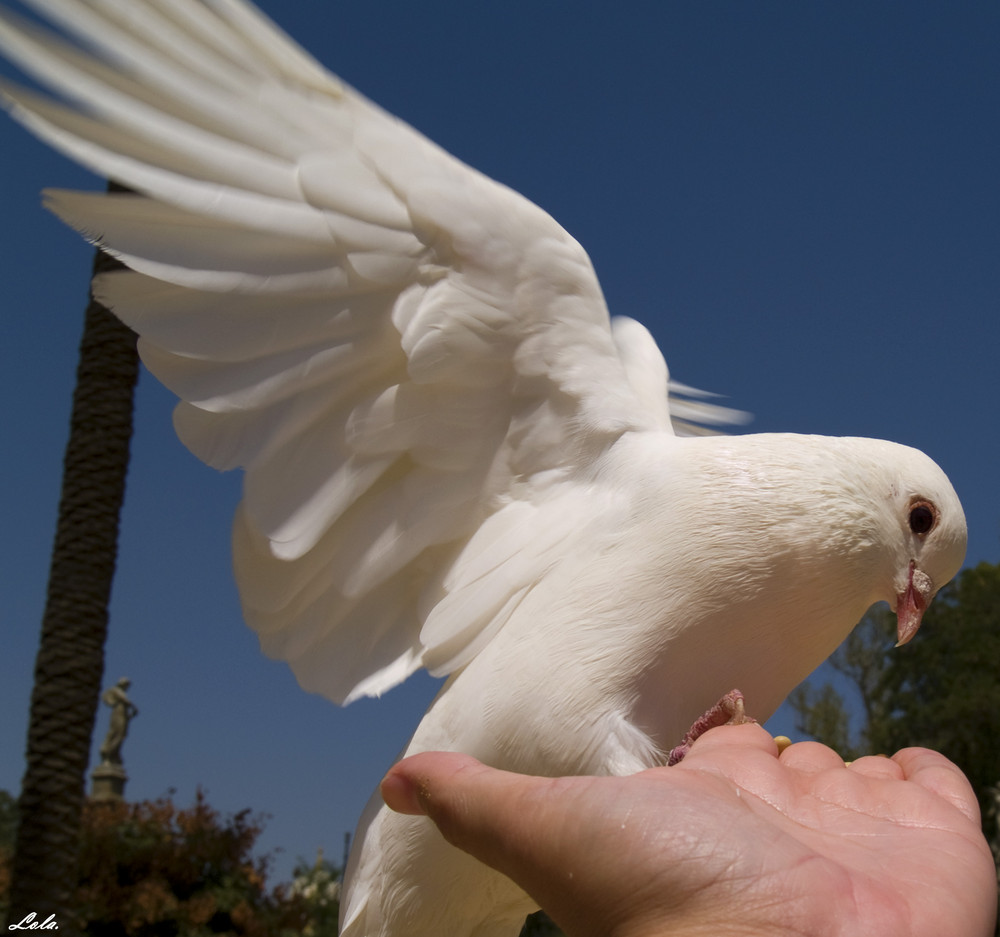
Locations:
column 734, row 739
column 877, row 766
column 932, row 771
column 811, row 758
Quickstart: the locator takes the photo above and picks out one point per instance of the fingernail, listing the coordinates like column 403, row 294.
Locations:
column 401, row 794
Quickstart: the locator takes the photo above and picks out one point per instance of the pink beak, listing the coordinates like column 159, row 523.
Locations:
column 912, row 602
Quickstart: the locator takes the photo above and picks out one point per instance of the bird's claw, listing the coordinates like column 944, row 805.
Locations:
column 729, row 711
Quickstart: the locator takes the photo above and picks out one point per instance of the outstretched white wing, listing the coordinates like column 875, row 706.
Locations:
column 402, row 354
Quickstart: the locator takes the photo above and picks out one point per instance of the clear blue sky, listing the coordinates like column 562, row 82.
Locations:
column 802, row 201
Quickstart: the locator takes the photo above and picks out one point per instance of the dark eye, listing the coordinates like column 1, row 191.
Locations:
column 921, row 518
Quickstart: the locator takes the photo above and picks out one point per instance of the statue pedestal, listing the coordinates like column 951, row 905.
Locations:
column 108, row 783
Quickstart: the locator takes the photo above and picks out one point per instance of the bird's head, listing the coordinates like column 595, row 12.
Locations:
column 932, row 526
column 923, row 527
column 853, row 521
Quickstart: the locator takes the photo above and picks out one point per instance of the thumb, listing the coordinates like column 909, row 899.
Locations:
column 496, row 816
column 527, row 828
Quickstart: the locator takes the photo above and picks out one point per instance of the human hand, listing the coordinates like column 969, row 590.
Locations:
column 733, row 840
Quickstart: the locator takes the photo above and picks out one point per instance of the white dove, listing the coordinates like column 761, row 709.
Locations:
column 454, row 458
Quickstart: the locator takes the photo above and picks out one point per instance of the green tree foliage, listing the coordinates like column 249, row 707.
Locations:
column 317, row 886
column 151, row 869
column 945, row 691
column 940, row 691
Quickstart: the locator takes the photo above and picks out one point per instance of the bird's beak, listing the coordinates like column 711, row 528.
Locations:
column 912, row 602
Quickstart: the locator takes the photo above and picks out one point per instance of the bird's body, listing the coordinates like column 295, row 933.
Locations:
column 709, row 565
column 454, row 458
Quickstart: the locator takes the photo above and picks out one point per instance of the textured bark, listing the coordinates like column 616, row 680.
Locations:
column 69, row 668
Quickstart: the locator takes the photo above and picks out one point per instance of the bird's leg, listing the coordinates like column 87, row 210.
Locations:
column 729, row 711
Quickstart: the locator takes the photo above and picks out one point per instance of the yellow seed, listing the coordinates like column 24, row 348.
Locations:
column 782, row 741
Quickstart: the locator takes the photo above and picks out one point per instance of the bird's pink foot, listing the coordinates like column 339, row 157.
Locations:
column 729, row 711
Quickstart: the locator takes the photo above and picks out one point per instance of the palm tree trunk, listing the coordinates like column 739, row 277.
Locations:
column 69, row 668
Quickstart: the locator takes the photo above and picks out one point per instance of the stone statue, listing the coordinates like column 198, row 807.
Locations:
column 122, row 712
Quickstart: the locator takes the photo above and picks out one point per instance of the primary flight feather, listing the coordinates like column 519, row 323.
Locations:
column 454, row 458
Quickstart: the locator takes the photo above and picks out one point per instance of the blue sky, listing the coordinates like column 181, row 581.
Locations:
column 801, row 200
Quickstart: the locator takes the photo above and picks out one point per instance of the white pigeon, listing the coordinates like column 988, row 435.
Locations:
column 454, row 458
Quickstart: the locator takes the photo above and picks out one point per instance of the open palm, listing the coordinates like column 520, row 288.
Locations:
column 734, row 840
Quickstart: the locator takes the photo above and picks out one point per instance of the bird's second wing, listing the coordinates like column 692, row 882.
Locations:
column 402, row 354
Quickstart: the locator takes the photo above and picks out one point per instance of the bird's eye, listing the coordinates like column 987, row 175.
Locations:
column 922, row 518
